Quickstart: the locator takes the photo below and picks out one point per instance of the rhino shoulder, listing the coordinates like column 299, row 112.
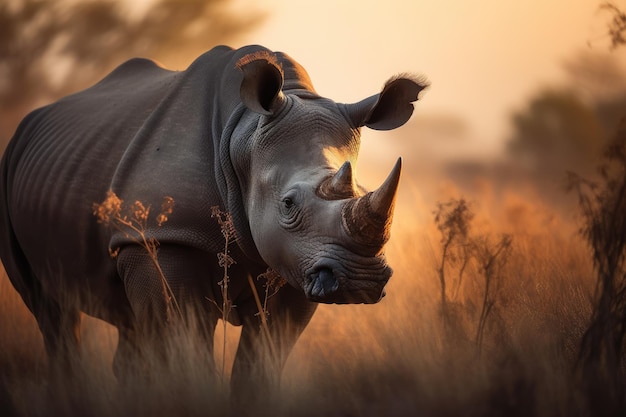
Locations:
column 134, row 69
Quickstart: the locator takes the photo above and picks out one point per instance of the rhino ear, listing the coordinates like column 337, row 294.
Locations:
column 391, row 108
column 262, row 83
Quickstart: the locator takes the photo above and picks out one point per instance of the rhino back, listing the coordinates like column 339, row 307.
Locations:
column 144, row 132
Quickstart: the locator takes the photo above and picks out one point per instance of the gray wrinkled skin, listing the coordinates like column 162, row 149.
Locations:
column 243, row 130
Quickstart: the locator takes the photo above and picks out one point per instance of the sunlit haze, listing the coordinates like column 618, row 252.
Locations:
column 483, row 58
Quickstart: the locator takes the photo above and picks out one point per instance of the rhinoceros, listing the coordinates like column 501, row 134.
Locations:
column 242, row 130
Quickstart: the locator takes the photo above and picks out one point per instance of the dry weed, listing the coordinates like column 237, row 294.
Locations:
column 227, row 228
column 133, row 222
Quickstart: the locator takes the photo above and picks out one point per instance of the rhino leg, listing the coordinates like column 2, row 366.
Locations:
column 127, row 360
column 154, row 329
column 60, row 327
column 59, row 322
column 257, row 366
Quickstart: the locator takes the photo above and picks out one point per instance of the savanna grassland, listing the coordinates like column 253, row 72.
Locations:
column 513, row 351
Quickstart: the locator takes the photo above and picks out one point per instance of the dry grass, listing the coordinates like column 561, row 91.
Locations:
column 392, row 358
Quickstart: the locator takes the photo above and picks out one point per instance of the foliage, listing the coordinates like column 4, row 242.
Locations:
column 617, row 25
column 603, row 206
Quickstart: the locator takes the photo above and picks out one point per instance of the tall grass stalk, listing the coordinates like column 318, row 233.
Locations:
column 227, row 228
column 273, row 284
column 263, row 316
column 491, row 258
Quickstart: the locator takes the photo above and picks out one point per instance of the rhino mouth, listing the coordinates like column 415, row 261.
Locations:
column 330, row 283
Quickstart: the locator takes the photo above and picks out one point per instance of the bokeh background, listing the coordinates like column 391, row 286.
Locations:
column 521, row 93
column 496, row 68
column 518, row 89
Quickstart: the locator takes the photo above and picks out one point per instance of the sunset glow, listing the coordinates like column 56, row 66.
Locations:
column 483, row 58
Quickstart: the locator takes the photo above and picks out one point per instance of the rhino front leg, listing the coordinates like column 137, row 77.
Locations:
column 157, row 319
column 258, row 365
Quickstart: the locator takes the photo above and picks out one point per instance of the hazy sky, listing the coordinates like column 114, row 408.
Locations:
column 484, row 58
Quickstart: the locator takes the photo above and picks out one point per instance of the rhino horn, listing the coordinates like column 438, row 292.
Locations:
column 368, row 219
column 341, row 185
column 382, row 200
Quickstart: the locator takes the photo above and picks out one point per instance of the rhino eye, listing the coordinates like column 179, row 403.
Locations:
column 288, row 202
column 291, row 216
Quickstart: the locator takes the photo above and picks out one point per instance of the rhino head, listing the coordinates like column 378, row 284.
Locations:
column 309, row 219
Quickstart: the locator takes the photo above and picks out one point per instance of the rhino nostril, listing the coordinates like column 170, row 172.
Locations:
column 324, row 283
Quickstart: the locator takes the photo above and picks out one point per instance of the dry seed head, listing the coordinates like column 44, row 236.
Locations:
column 216, row 212
column 167, row 207
column 225, row 261
column 273, row 279
column 225, row 221
column 161, row 218
column 140, row 212
column 109, row 209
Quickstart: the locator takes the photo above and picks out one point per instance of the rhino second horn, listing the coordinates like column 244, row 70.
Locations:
column 342, row 182
column 367, row 219
column 340, row 186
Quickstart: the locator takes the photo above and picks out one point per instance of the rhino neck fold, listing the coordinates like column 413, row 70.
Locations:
column 230, row 187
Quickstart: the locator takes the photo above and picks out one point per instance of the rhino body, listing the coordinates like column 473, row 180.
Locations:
column 242, row 130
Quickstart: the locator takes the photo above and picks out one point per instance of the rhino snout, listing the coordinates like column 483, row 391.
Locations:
column 332, row 283
column 321, row 283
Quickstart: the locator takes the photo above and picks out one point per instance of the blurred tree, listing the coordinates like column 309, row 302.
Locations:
column 566, row 129
column 50, row 48
column 596, row 75
column 603, row 206
column 557, row 132
column 617, row 25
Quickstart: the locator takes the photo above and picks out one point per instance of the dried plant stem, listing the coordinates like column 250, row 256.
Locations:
column 466, row 256
column 491, row 259
column 442, row 281
column 225, row 302
column 263, row 314
column 225, row 261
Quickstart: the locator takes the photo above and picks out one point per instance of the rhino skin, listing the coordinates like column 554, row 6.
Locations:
column 243, row 130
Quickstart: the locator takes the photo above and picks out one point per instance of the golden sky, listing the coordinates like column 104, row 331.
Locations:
column 484, row 58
